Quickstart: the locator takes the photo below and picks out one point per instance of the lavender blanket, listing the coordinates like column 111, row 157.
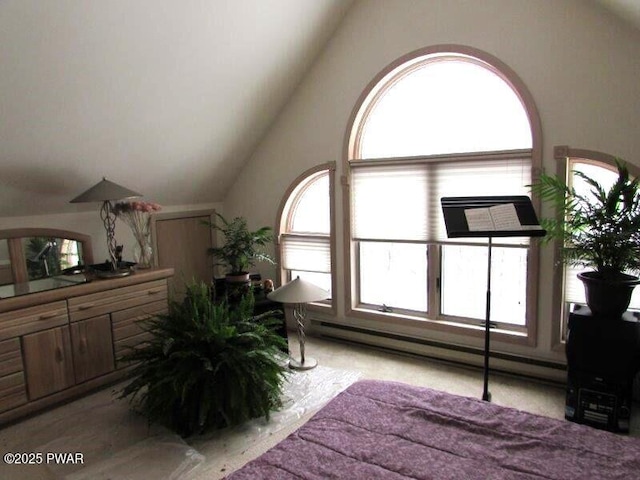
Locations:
column 387, row 430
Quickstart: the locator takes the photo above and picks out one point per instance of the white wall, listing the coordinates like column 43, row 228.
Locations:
column 580, row 63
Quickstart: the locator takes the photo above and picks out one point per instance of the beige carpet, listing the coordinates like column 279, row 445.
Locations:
column 118, row 444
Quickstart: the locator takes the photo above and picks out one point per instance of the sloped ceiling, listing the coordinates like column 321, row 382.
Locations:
column 165, row 97
column 629, row 10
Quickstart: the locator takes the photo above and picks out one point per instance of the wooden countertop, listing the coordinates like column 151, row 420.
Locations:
column 96, row 285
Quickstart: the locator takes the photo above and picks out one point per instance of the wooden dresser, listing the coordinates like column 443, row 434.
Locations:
column 59, row 344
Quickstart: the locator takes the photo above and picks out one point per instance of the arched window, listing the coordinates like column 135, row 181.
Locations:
column 602, row 168
column 305, row 222
column 444, row 121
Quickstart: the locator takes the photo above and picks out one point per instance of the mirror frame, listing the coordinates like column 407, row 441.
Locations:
column 14, row 238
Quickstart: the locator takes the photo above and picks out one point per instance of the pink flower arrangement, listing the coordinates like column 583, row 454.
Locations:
column 137, row 214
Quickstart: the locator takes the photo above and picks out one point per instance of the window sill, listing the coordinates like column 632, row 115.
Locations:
column 442, row 325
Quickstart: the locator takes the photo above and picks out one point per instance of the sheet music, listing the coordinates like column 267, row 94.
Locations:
column 478, row 219
column 498, row 217
column 505, row 217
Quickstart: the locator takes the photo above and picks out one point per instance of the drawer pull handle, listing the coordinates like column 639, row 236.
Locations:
column 59, row 356
column 83, row 345
column 154, row 292
column 47, row 316
column 86, row 306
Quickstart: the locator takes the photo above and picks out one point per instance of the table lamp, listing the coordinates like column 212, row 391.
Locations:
column 298, row 292
column 106, row 191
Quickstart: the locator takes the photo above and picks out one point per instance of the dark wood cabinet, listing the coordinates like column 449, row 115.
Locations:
column 603, row 357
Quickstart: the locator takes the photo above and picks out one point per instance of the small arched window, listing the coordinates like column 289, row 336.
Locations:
column 305, row 228
column 602, row 168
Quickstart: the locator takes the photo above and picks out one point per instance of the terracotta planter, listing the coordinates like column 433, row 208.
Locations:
column 608, row 298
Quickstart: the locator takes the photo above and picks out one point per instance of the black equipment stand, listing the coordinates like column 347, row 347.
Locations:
column 463, row 219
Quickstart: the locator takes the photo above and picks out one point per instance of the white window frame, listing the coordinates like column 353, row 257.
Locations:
column 527, row 334
column 283, row 229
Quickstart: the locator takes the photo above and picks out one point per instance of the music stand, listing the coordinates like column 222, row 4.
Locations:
column 492, row 216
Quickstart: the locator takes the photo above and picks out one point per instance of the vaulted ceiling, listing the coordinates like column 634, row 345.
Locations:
column 629, row 10
column 166, row 97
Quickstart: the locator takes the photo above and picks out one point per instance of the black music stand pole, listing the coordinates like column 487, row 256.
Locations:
column 522, row 222
column 486, row 395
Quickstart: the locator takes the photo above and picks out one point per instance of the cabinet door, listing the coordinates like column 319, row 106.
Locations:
column 92, row 347
column 48, row 361
column 182, row 241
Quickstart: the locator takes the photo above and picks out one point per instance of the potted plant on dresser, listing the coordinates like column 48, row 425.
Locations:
column 241, row 249
column 601, row 230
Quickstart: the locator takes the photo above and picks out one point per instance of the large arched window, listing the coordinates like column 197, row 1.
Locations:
column 444, row 121
column 305, row 225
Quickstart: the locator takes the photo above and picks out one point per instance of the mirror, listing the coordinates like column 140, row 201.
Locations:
column 28, row 255
column 50, row 256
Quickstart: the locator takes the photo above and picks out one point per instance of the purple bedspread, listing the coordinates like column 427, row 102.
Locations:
column 387, row 430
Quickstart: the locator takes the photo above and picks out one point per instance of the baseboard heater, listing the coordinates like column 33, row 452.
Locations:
column 450, row 353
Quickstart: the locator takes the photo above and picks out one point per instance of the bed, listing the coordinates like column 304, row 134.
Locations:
column 389, row 430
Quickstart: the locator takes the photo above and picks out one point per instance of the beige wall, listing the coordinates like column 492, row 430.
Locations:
column 580, row 63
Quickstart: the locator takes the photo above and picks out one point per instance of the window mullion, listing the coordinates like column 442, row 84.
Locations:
column 433, row 283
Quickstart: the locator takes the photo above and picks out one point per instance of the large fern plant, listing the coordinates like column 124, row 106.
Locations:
column 207, row 365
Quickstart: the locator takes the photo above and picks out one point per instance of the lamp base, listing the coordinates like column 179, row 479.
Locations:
column 104, row 270
column 308, row 364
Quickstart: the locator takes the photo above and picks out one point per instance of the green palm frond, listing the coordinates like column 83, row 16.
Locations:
column 600, row 230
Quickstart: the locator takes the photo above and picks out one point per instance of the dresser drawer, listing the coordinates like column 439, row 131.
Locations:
column 128, row 328
column 96, row 304
column 127, row 323
column 12, row 391
column 10, row 357
column 33, row 319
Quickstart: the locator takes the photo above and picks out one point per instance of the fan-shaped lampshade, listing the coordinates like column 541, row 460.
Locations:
column 298, row 291
column 103, row 191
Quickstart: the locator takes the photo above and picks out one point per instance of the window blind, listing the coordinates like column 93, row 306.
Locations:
column 306, row 253
column 402, row 202
column 390, row 202
column 478, row 177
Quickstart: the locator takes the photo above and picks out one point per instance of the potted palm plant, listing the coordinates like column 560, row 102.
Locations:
column 601, row 230
column 207, row 365
column 241, row 249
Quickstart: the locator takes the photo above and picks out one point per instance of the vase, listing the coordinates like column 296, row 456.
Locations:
column 143, row 253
